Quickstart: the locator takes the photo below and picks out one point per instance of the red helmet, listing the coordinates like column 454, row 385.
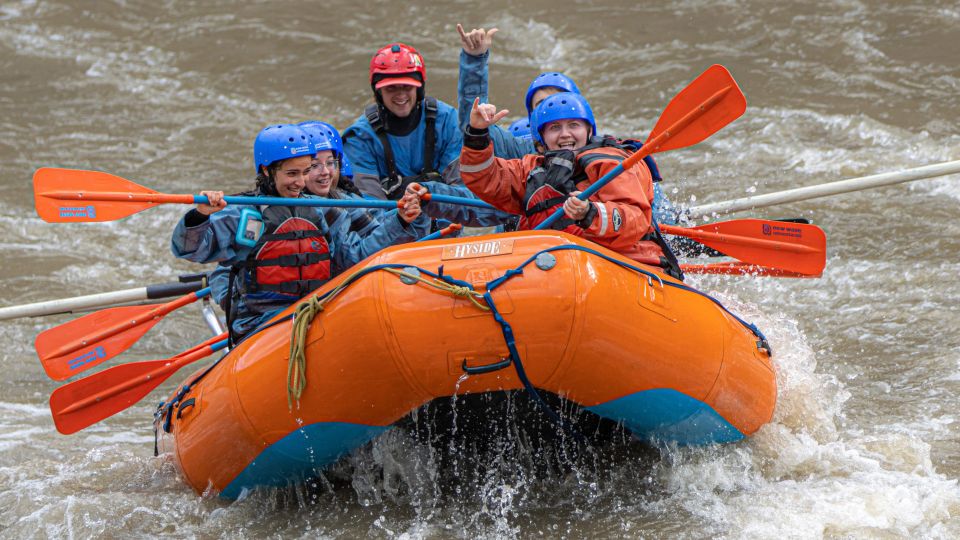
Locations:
column 389, row 65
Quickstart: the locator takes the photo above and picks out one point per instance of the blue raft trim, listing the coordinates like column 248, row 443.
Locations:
column 301, row 454
column 668, row 416
column 660, row 415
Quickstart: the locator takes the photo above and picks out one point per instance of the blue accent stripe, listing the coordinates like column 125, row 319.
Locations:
column 665, row 415
column 301, row 454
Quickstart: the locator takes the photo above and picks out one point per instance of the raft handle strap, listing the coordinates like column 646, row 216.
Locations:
column 479, row 370
column 192, row 402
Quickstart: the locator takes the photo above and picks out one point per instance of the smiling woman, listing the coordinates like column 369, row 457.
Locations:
column 864, row 438
column 406, row 136
column 618, row 218
column 257, row 242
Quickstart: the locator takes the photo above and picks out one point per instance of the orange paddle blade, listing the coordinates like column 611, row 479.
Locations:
column 794, row 247
column 710, row 102
column 740, row 269
column 72, row 195
column 81, row 344
column 85, row 402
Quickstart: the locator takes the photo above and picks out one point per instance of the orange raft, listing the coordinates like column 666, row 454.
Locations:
column 619, row 339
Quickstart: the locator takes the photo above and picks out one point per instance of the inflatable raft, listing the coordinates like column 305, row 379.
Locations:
column 427, row 320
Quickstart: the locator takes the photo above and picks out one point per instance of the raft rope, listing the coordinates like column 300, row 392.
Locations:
column 308, row 309
column 305, row 312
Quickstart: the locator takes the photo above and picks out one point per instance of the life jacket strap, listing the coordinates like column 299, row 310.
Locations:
column 293, row 259
column 394, row 184
column 298, row 287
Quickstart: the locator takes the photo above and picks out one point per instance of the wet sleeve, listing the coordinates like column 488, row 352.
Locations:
column 471, row 85
column 349, row 247
column 219, row 283
column 212, row 240
column 506, row 146
column 497, row 181
column 623, row 205
column 449, row 139
column 469, row 216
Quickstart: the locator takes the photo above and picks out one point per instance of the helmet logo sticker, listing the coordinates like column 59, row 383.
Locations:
column 417, row 61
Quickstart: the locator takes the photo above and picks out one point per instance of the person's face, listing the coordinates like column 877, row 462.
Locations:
column 324, row 175
column 542, row 94
column 565, row 134
column 399, row 99
column 291, row 176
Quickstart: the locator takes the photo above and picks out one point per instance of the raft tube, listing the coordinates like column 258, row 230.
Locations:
column 617, row 338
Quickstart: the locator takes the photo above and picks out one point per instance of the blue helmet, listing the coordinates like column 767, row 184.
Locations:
column 331, row 134
column 562, row 106
column 556, row 80
column 278, row 142
column 321, row 141
column 521, row 129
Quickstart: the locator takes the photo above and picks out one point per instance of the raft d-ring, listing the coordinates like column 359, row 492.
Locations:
column 545, row 261
column 410, row 276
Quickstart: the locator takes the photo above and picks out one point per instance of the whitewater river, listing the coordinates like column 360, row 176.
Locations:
column 864, row 441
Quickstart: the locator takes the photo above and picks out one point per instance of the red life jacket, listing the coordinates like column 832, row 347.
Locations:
column 292, row 255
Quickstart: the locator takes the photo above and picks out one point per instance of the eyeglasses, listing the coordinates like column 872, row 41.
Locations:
column 330, row 164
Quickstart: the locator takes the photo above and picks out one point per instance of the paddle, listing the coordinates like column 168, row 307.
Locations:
column 143, row 295
column 453, row 227
column 453, row 199
column 85, row 402
column 83, row 343
column 792, row 247
column 71, row 195
column 824, row 190
column 739, row 268
column 707, row 104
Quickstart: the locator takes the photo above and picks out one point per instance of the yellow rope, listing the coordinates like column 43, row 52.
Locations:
column 310, row 307
column 456, row 290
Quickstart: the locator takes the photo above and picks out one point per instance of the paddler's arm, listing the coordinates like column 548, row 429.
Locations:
column 497, row 181
column 619, row 213
column 206, row 233
column 473, row 84
column 469, row 216
column 349, row 247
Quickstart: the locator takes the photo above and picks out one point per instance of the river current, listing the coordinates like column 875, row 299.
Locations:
column 864, row 441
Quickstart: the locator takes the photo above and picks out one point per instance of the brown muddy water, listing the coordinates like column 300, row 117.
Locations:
column 864, row 442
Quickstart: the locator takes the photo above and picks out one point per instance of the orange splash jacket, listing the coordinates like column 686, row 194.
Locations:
column 622, row 221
